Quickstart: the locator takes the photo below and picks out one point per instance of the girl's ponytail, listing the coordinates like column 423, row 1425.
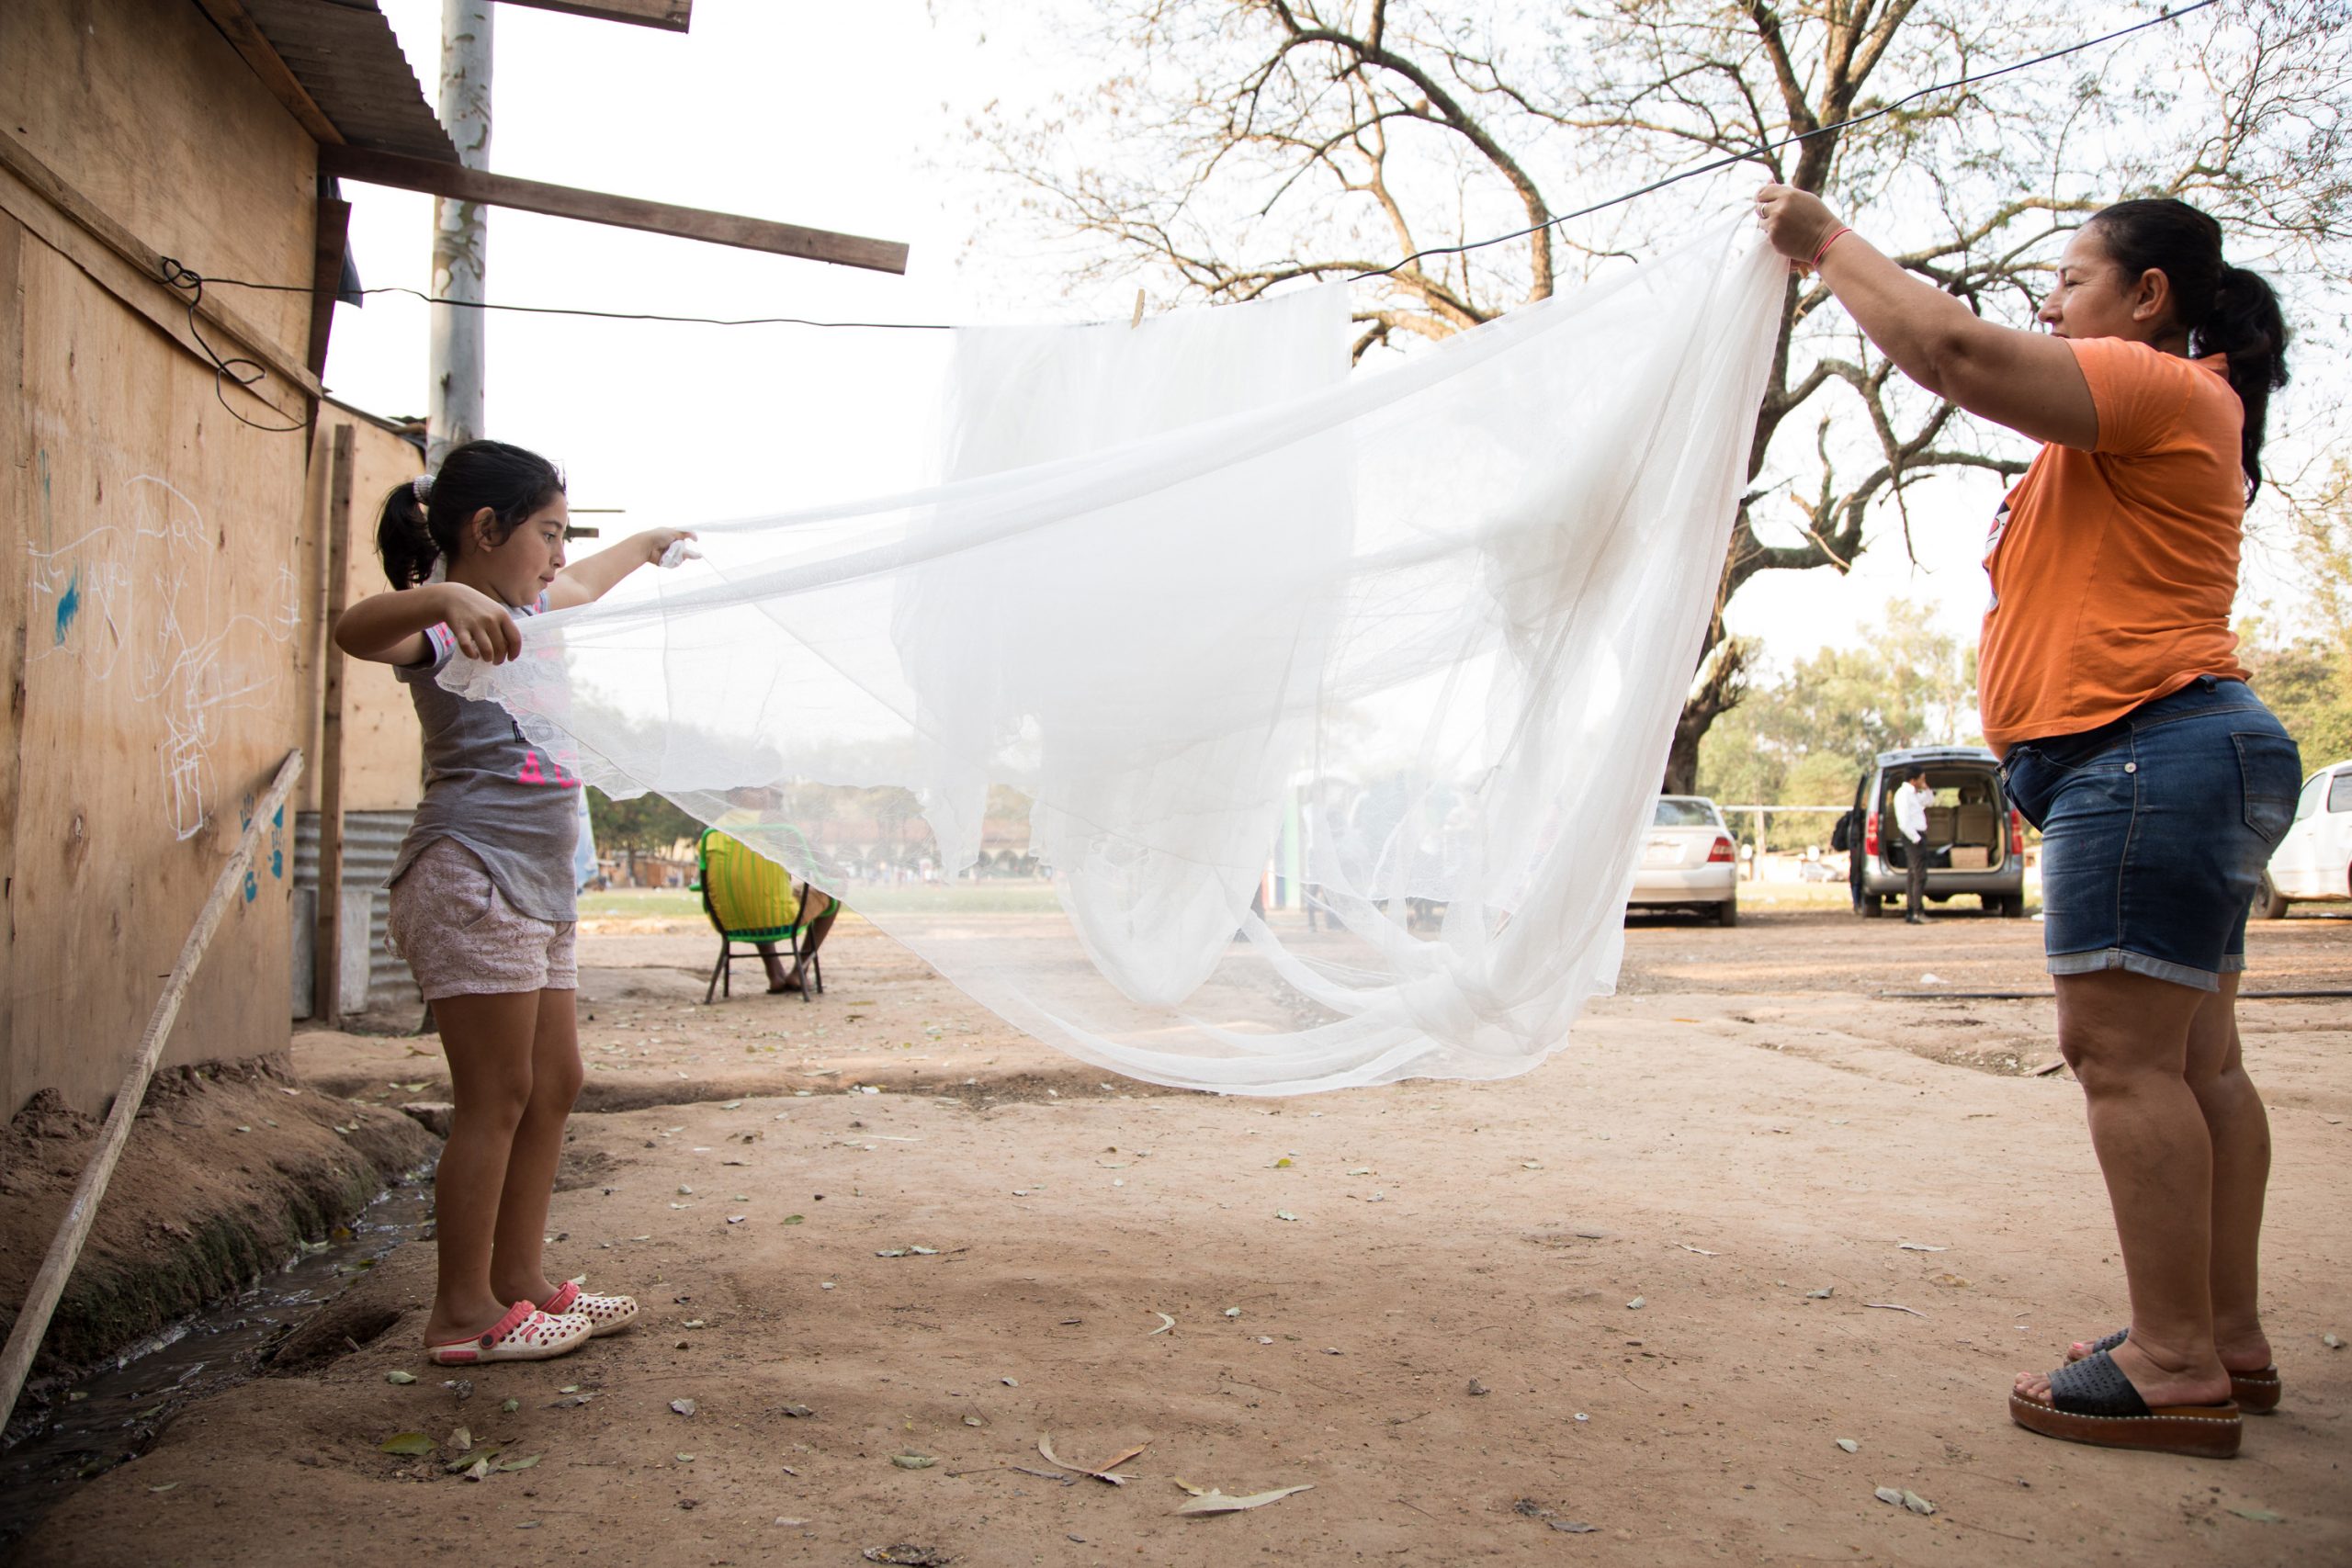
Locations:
column 425, row 519
column 2247, row 324
column 404, row 539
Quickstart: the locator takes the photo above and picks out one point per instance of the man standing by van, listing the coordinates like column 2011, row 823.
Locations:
column 1911, row 821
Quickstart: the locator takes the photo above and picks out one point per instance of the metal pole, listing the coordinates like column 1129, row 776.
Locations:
column 326, row 947
column 460, row 238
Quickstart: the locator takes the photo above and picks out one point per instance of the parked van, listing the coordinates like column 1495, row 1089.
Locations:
column 1976, row 842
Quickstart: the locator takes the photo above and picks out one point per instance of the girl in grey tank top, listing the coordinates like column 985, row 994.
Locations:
column 482, row 888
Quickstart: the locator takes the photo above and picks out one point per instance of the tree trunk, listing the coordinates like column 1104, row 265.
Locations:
column 1724, row 683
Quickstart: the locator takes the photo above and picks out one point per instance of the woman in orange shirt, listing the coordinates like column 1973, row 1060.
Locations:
column 2111, row 686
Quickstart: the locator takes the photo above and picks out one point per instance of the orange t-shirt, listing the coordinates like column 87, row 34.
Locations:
column 2114, row 569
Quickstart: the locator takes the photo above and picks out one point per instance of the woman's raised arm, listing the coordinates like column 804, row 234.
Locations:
column 2028, row 381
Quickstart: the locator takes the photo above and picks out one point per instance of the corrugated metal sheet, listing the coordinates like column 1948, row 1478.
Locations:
column 370, row 841
column 346, row 56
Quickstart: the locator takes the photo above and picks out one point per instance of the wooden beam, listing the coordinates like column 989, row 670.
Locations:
column 330, row 240
column 246, row 38
column 671, row 16
column 460, row 183
column 326, row 948
column 119, row 261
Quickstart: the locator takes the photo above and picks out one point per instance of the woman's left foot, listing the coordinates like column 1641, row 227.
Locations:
column 2150, row 1380
column 605, row 1315
column 2091, row 1401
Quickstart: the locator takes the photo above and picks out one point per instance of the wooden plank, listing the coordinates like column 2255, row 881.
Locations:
column 383, row 750
column 165, row 623
column 144, row 108
column 333, row 239
column 81, row 1210
column 238, row 27
column 17, row 478
column 326, row 961
column 126, row 267
column 460, row 183
column 671, row 16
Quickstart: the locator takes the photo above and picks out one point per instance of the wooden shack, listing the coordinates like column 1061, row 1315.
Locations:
column 162, row 607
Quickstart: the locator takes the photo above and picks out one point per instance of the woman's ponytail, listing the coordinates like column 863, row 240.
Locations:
column 404, row 539
column 425, row 519
column 2247, row 324
column 2227, row 310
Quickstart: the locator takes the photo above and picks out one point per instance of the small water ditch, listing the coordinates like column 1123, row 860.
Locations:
column 114, row 1413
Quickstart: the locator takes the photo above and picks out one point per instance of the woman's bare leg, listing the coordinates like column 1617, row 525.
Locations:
column 2239, row 1130
column 2127, row 1038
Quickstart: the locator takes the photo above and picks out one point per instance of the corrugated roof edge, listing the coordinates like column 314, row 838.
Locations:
column 339, row 68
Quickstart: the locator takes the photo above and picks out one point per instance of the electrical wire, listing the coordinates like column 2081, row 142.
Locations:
column 191, row 282
column 175, row 272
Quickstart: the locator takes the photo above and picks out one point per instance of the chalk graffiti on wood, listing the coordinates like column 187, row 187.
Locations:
column 144, row 599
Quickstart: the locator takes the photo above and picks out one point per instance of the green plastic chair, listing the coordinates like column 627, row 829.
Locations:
column 751, row 899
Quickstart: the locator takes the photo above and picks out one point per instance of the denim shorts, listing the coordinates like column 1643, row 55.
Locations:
column 2155, row 829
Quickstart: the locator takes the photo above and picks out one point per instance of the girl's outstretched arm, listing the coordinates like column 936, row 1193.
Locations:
column 2028, row 381
column 389, row 628
column 590, row 580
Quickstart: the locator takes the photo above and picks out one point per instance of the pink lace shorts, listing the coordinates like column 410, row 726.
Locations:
column 461, row 937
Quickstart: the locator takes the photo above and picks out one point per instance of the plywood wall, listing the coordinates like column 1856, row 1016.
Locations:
column 144, row 107
column 383, row 752
column 151, row 543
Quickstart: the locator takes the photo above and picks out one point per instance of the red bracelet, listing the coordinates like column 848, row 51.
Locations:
column 1835, row 235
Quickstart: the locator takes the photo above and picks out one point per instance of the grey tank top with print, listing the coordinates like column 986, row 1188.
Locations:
column 492, row 791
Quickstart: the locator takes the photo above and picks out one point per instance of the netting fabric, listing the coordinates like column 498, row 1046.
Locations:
column 1218, row 716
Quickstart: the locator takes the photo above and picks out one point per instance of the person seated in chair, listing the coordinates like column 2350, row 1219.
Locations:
column 782, row 977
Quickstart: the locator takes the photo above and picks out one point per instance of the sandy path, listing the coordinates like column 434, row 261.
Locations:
column 1417, row 1343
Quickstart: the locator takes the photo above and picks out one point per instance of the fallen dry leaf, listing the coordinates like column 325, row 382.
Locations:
column 1044, row 1447
column 1214, row 1502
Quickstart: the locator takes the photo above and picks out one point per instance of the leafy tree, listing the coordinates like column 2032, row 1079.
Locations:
column 646, row 825
column 2303, row 669
column 1230, row 147
column 2309, row 685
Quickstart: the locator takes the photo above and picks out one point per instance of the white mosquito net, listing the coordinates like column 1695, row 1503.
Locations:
column 1222, row 718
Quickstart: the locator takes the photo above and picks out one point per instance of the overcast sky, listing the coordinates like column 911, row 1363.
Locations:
column 845, row 118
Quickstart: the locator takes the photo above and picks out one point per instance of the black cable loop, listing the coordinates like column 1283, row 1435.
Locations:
column 188, row 282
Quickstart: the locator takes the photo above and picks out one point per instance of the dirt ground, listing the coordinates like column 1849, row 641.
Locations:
column 1644, row 1289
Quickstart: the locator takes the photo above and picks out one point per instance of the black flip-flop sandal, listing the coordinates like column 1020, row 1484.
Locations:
column 2092, row 1402
column 2257, row 1393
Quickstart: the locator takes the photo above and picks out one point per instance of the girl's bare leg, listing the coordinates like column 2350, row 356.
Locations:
column 517, row 1272
column 487, row 1039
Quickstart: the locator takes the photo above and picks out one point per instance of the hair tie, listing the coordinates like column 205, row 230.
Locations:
column 422, row 487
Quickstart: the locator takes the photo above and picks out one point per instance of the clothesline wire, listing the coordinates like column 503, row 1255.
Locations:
column 191, row 282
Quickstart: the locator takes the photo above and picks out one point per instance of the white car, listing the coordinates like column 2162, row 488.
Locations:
column 1688, row 861
column 2314, row 861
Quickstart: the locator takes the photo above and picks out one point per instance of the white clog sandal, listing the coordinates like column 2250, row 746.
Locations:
column 525, row 1334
